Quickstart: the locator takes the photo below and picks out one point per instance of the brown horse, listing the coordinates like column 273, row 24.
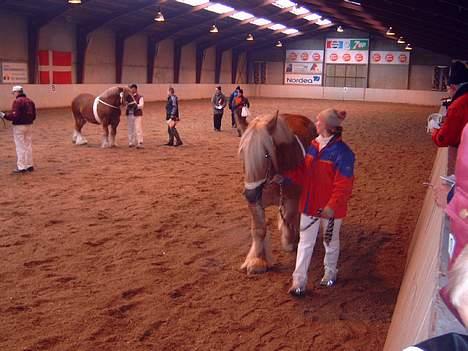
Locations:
column 103, row 109
column 272, row 145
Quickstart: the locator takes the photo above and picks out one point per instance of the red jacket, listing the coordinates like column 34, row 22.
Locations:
column 326, row 178
column 457, row 208
column 23, row 111
column 457, row 117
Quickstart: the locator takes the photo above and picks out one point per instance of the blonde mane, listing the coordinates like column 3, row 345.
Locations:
column 262, row 137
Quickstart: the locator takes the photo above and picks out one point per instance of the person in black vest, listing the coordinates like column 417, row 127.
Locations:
column 219, row 103
column 231, row 106
column 134, row 119
column 172, row 117
column 23, row 114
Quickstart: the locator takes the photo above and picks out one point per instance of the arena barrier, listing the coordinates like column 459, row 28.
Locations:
column 419, row 312
column 50, row 96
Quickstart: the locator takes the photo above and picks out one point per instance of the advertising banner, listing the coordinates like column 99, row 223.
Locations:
column 303, row 79
column 304, row 68
column 304, row 56
column 351, row 51
column 14, row 72
column 390, row 57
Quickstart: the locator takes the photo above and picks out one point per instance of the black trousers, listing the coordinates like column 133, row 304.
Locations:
column 233, row 116
column 217, row 118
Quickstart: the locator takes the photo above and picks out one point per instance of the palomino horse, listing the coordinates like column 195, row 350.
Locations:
column 272, row 145
column 103, row 109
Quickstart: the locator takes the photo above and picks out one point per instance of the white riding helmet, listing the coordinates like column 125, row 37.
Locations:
column 17, row 89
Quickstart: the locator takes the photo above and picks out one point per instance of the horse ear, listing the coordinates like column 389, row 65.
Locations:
column 271, row 125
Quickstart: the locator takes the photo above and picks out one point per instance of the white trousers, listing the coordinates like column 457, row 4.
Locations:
column 22, row 135
column 135, row 130
column 307, row 238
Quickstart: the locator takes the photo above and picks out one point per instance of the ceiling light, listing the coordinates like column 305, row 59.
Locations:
column 408, row 47
column 282, row 4
column 261, row 22
column 312, row 17
column 340, row 29
column 323, row 22
column 74, row 2
column 277, row 26
column 299, row 11
column 401, row 40
column 159, row 16
column 242, row 16
column 214, row 29
column 290, row 31
column 219, row 8
column 354, row 2
column 279, row 44
column 193, row 2
column 390, row 31
column 249, row 37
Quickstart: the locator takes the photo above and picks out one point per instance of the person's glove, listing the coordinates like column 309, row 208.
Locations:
column 2, row 114
column 278, row 179
column 328, row 212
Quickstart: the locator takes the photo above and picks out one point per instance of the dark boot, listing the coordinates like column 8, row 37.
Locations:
column 171, row 137
column 177, row 137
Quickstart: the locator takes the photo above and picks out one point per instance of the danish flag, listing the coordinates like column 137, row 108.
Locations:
column 55, row 67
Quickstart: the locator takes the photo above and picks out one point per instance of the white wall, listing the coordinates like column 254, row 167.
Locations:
column 134, row 60
column 187, row 64
column 226, row 65
column 208, row 67
column 13, row 46
column 163, row 71
column 100, row 58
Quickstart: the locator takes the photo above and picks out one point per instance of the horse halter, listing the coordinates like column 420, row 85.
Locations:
column 253, row 191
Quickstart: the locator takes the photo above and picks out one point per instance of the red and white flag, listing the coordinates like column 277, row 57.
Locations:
column 55, row 67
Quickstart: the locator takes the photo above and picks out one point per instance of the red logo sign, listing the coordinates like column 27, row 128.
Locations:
column 359, row 57
column 376, row 57
column 402, row 58
column 333, row 57
column 347, row 57
column 389, row 57
column 316, row 56
column 293, row 56
column 304, row 56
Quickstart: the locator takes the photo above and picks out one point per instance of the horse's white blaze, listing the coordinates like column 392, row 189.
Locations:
column 95, row 113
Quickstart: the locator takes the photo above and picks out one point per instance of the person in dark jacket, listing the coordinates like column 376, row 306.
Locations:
column 231, row 106
column 134, row 119
column 449, row 133
column 219, row 103
column 22, row 116
column 172, row 117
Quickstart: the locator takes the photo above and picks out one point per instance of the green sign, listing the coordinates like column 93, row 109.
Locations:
column 359, row 44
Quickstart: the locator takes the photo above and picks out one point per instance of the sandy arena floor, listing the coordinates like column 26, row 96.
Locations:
column 124, row 249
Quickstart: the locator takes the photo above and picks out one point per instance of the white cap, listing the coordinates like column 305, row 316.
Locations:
column 17, row 88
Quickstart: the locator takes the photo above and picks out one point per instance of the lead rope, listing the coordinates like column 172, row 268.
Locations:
column 329, row 231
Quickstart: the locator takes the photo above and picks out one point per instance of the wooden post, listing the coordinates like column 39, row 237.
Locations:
column 151, row 52
column 234, row 65
column 199, row 56
column 177, row 57
column 218, row 63
column 119, row 53
column 33, row 40
column 81, row 46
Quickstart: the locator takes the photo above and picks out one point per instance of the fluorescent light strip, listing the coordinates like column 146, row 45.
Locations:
column 323, row 22
column 261, row 22
column 282, row 4
column 290, row 31
column 242, row 16
column 193, row 2
column 312, row 17
column 299, row 11
column 219, row 8
column 277, row 26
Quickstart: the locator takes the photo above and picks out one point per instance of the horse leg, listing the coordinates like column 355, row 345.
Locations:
column 259, row 258
column 288, row 223
column 78, row 138
column 113, row 134
column 105, row 135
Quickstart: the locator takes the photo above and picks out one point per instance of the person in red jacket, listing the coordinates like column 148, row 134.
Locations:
column 22, row 116
column 326, row 177
column 457, row 113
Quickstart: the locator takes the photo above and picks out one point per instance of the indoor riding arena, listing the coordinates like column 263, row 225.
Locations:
column 111, row 247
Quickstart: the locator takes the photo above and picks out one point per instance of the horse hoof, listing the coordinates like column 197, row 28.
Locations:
column 255, row 266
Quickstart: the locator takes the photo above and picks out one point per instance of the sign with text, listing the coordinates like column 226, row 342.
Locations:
column 390, row 57
column 303, row 79
column 14, row 72
column 293, row 56
column 350, row 51
column 304, row 68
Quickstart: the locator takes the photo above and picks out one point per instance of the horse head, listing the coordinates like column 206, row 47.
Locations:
column 126, row 96
column 258, row 149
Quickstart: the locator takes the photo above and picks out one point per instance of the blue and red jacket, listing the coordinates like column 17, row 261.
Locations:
column 326, row 178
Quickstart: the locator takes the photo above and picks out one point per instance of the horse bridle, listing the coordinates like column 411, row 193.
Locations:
column 121, row 101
